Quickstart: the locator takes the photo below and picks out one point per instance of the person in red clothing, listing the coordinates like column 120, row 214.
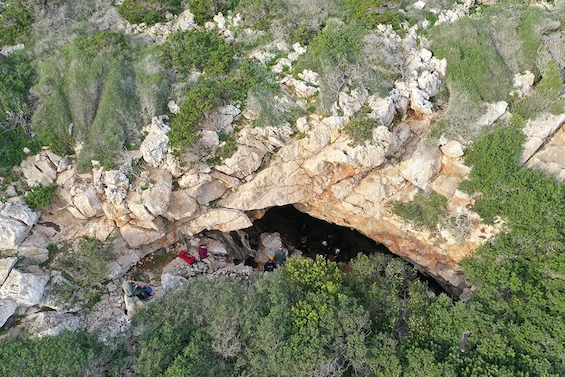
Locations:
column 205, row 257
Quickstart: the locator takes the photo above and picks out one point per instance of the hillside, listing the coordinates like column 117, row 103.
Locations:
column 133, row 129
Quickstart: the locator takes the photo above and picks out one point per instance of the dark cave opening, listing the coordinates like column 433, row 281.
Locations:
column 288, row 221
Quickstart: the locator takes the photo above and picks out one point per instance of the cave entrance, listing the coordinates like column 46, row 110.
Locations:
column 287, row 221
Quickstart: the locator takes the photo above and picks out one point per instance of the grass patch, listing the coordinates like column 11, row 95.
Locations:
column 98, row 91
column 474, row 66
column 426, row 209
column 361, row 130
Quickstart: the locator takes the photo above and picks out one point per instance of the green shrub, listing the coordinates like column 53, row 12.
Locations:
column 69, row 354
column 198, row 50
column 291, row 20
column 40, row 196
column 149, row 11
column 426, row 209
column 15, row 22
column 544, row 97
column 205, row 10
column 372, row 13
column 12, row 148
column 85, row 269
column 361, row 130
column 474, row 66
column 18, row 76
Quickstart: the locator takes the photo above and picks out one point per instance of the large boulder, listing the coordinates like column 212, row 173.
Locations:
column 87, row 202
column 136, row 236
column 25, row 288
column 158, row 196
column 12, row 233
column 155, row 146
column 183, row 206
column 51, row 323
column 224, row 220
column 18, row 210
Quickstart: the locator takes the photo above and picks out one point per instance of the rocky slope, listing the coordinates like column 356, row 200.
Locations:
column 154, row 198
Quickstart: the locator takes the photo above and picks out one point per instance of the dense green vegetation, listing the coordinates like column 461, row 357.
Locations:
column 15, row 22
column 66, row 355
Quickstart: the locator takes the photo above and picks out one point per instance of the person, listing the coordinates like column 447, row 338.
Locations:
column 280, row 255
column 270, row 266
column 130, row 298
column 326, row 249
column 205, row 257
column 337, row 256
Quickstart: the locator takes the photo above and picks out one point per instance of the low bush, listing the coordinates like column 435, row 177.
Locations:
column 84, row 269
column 544, row 97
column 69, row 354
column 149, row 11
column 12, row 148
column 15, row 22
column 40, row 196
column 291, row 20
column 426, row 209
column 198, row 50
column 360, row 130
column 372, row 13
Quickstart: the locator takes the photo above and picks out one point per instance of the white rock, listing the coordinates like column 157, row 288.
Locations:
column 6, row 265
column 170, row 282
column 419, row 5
column 87, row 202
column 158, row 196
column 309, row 76
column 224, row 220
column 524, row 82
column 155, row 146
column 51, row 323
column 452, row 149
column 429, row 82
column 7, row 308
column 136, row 236
column 351, row 103
column 207, row 192
column 382, row 108
column 302, row 124
column 245, row 161
column 422, row 166
column 209, row 138
column 7, row 50
column 19, row 210
column 173, row 107
column 12, row 233
column 419, row 101
column 24, row 288
column 493, row 113
column 220, row 20
column 183, row 206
